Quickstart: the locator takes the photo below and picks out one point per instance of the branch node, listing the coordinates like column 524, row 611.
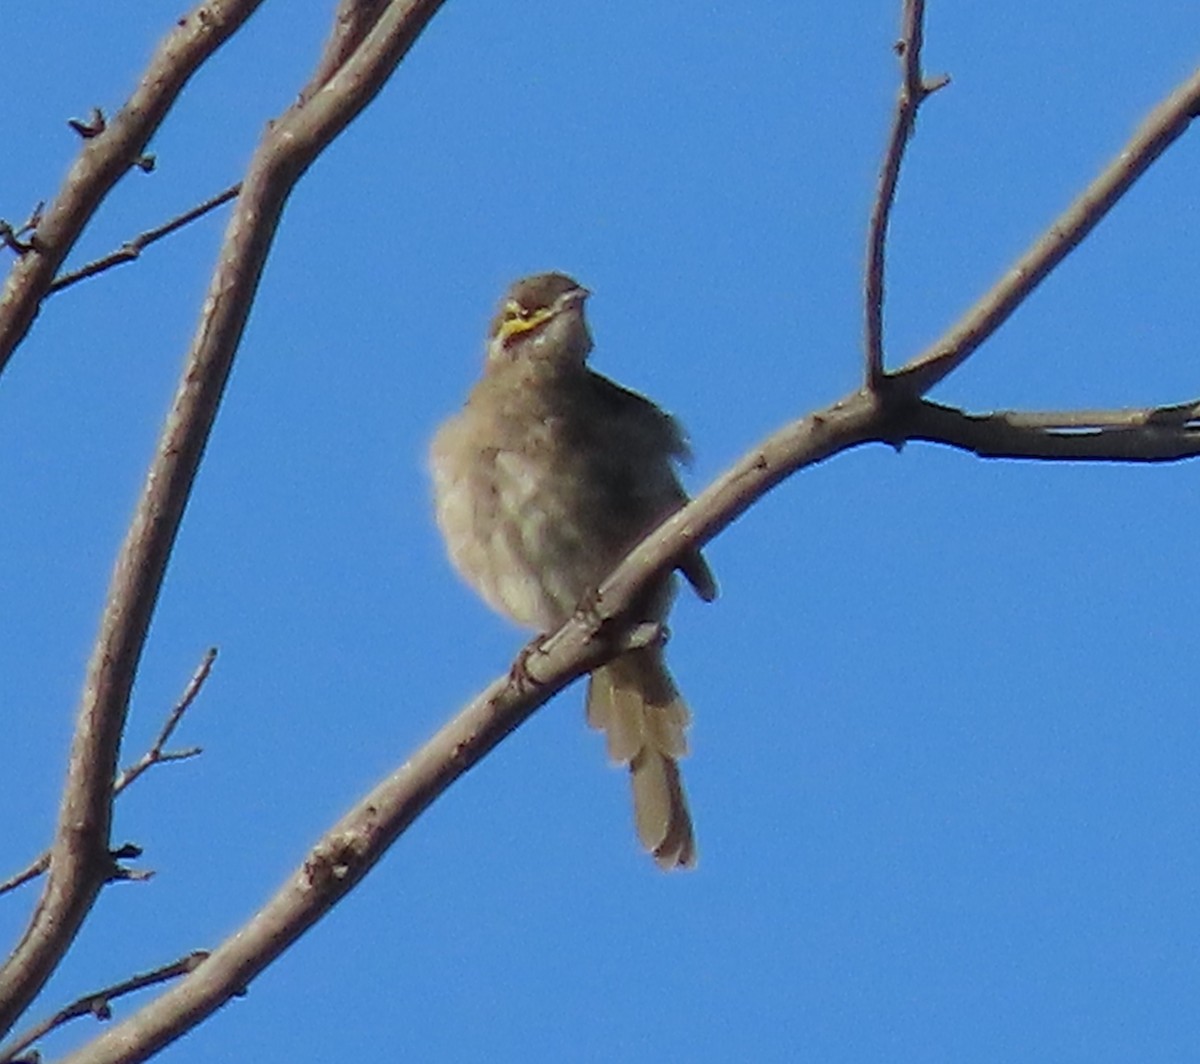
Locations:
column 130, row 851
column 121, row 874
column 10, row 239
column 127, row 852
column 93, row 126
column 331, row 863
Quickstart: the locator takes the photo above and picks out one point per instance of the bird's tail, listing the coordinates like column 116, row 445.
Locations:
column 635, row 702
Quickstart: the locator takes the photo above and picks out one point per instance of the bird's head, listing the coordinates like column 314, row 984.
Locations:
column 541, row 322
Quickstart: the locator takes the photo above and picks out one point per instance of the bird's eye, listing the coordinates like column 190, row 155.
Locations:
column 513, row 311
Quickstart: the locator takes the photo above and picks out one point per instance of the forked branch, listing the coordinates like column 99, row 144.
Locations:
column 81, row 861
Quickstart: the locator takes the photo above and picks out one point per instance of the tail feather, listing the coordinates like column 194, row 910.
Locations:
column 634, row 701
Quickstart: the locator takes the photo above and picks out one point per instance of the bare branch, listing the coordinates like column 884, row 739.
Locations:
column 132, row 249
column 99, row 1002
column 34, row 869
column 105, row 158
column 11, row 238
column 1165, row 124
column 80, row 860
column 913, row 91
column 351, row 24
column 348, row 851
column 154, row 756
column 1160, row 434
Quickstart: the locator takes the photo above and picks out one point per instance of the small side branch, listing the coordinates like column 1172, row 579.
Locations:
column 99, row 1003
column 106, row 157
column 913, row 91
column 1157, row 434
column 132, row 249
column 34, row 869
column 156, row 755
column 1165, row 124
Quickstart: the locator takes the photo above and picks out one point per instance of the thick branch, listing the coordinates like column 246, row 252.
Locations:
column 1159, row 131
column 353, row 20
column 105, row 158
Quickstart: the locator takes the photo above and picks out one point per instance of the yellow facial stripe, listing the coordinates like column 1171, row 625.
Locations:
column 517, row 320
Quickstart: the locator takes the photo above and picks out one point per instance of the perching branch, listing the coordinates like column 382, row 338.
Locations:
column 351, row 847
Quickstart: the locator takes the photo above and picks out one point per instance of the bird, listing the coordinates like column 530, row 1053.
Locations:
column 545, row 479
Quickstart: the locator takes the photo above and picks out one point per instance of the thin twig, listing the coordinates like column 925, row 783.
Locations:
column 11, row 238
column 99, row 1002
column 131, row 249
column 154, row 756
column 105, row 159
column 913, row 91
column 32, row 871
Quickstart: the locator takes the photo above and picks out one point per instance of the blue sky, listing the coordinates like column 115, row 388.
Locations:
column 946, row 758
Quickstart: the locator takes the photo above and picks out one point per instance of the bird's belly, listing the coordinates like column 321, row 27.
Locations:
column 516, row 532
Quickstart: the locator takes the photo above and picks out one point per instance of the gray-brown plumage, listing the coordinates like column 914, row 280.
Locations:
column 549, row 475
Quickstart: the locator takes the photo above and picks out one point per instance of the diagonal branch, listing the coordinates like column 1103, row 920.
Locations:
column 351, row 847
column 80, row 859
column 133, row 249
column 352, row 21
column 99, row 1002
column 347, row 852
column 1165, row 124
column 913, row 92
column 107, row 157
